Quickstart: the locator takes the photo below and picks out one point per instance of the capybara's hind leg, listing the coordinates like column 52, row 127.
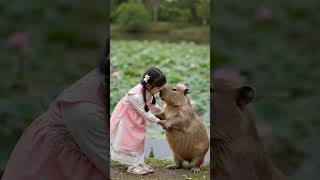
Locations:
column 197, row 161
column 177, row 164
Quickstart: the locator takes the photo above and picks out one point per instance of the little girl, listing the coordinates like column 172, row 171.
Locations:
column 128, row 121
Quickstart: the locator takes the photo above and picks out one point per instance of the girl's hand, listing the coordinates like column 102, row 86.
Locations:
column 165, row 125
column 161, row 116
column 162, row 122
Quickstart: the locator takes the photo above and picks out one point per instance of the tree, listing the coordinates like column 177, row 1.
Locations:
column 114, row 4
column 132, row 16
column 155, row 6
column 203, row 10
column 175, row 10
column 191, row 5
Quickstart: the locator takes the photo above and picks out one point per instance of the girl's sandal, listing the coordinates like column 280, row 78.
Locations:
column 136, row 170
column 147, row 168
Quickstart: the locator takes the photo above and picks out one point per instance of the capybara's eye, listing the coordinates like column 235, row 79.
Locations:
column 174, row 89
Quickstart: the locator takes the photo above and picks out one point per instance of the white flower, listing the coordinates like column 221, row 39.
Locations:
column 146, row 78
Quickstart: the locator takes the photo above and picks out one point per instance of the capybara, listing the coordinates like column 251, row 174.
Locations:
column 186, row 134
column 238, row 152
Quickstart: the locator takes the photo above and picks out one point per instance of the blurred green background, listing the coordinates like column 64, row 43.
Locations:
column 275, row 46
column 45, row 46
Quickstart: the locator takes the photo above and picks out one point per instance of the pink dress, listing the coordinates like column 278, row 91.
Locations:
column 47, row 150
column 128, row 126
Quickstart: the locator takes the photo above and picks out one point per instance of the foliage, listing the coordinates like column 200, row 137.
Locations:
column 154, row 7
column 133, row 16
column 203, row 10
column 172, row 11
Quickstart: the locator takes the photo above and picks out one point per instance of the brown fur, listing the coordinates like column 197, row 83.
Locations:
column 238, row 153
column 186, row 135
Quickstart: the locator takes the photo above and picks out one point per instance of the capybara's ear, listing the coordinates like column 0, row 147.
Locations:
column 245, row 95
column 182, row 86
column 186, row 91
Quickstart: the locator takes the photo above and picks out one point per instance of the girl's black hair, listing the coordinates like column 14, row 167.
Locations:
column 157, row 79
column 104, row 68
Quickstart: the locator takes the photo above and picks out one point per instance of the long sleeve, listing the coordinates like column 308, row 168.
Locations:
column 155, row 108
column 87, row 124
column 138, row 103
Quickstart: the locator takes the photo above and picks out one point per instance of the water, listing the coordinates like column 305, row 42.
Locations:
column 162, row 150
column 165, row 37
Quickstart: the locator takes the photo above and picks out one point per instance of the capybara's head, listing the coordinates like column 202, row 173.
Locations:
column 228, row 90
column 174, row 95
column 230, row 101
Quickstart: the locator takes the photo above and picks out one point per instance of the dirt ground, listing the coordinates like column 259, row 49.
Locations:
column 118, row 172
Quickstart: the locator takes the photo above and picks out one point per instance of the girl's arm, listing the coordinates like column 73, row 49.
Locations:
column 155, row 108
column 138, row 103
column 87, row 124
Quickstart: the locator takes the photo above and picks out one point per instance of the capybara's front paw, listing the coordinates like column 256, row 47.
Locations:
column 167, row 125
column 195, row 170
column 173, row 166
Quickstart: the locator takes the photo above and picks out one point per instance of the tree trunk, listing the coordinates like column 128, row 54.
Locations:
column 194, row 13
column 155, row 13
column 155, row 4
